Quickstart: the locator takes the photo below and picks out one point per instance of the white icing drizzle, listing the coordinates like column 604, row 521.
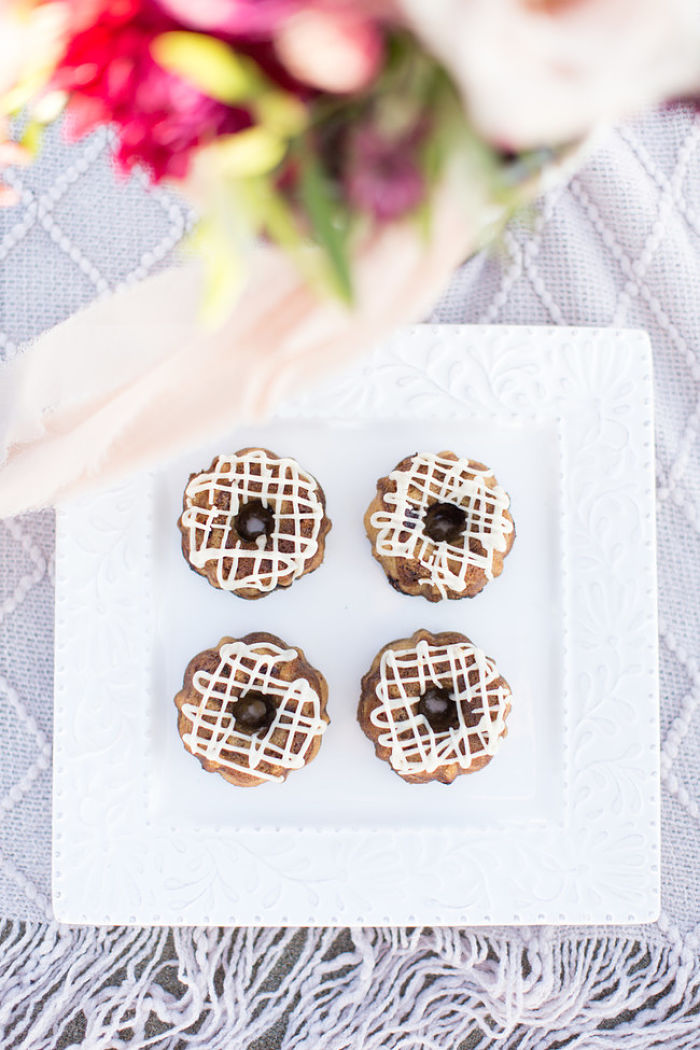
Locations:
column 435, row 479
column 415, row 746
column 252, row 476
column 249, row 668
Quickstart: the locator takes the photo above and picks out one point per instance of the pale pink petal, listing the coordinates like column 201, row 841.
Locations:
column 13, row 153
column 8, row 196
column 230, row 16
column 332, row 50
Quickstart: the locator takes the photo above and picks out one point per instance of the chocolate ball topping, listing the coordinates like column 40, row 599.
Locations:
column 444, row 522
column 253, row 521
column 440, row 708
column 252, row 712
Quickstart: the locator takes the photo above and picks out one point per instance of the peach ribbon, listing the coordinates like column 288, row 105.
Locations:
column 134, row 379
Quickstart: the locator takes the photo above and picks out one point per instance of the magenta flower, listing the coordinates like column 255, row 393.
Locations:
column 112, row 77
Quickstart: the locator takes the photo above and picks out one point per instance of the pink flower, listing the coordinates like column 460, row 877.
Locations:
column 383, row 177
column 248, row 18
column 332, row 48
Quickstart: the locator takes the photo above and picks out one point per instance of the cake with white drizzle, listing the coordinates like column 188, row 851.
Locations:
column 435, row 706
column 440, row 526
column 252, row 522
column 252, row 709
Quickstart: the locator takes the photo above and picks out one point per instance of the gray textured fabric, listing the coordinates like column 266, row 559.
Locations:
column 619, row 245
column 78, row 232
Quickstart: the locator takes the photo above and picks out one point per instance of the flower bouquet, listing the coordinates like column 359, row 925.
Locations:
column 341, row 159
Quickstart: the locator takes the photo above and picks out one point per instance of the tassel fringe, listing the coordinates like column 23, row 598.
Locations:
column 360, row 989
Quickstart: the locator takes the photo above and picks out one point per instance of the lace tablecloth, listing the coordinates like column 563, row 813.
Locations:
column 619, row 245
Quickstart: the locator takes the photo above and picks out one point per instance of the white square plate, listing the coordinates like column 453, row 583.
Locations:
column 562, row 826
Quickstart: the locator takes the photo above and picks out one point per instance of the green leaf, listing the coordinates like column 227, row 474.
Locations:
column 208, row 64
column 327, row 222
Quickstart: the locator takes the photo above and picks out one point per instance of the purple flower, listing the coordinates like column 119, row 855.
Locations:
column 383, row 176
